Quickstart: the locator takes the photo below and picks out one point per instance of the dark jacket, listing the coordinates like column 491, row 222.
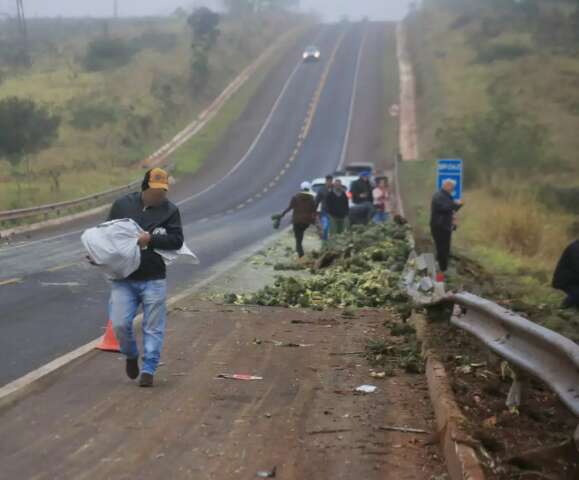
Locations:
column 166, row 216
column 304, row 208
column 567, row 271
column 442, row 210
column 322, row 198
column 361, row 191
column 338, row 205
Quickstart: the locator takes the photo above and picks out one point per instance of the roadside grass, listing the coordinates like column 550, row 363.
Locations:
column 489, row 262
column 102, row 157
column 504, row 227
column 192, row 154
column 391, row 93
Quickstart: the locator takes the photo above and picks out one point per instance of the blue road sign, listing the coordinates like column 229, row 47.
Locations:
column 450, row 169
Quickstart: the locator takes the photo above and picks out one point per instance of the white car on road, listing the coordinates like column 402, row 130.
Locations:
column 311, row 54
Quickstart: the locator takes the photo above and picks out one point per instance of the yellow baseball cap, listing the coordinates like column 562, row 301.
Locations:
column 159, row 179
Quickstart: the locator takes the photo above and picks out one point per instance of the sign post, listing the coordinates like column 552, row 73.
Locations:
column 450, row 169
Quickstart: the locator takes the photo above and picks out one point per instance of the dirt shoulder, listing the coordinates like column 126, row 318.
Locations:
column 303, row 418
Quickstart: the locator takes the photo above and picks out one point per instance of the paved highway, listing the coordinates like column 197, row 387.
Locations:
column 297, row 127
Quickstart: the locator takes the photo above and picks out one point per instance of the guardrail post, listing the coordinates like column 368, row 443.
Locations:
column 514, row 397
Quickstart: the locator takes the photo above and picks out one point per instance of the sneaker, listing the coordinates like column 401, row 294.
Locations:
column 132, row 368
column 146, row 380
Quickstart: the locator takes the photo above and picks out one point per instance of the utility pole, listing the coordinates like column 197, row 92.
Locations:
column 116, row 8
column 22, row 28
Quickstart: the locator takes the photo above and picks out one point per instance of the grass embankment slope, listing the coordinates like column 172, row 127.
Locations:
column 114, row 118
column 505, row 76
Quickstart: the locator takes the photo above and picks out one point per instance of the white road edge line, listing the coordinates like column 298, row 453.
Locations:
column 14, row 390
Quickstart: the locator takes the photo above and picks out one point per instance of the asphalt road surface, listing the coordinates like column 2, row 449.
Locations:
column 51, row 301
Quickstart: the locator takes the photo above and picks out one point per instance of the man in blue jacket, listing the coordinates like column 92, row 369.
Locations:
column 147, row 286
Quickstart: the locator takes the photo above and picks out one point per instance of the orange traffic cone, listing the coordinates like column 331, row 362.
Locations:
column 109, row 342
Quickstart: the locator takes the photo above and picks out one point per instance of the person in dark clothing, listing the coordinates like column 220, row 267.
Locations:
column 303, row 205
column 147, row 286
column 442, row 221
column 566, row 277
column 321, row 201
column 362, row 199
column 338, row 208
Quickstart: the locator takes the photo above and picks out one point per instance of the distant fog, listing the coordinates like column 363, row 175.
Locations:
column 329, row 9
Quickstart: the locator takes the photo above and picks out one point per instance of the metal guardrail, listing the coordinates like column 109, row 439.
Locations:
column 526, row 346
column 55, row 208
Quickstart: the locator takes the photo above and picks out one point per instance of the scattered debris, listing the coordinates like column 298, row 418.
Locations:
column 277, row 343
column 364, row 271
column 403, row 355
column 402, row 329
column 325, row 432
column 267, row 474
column 392, row 428
column 490, row 422
column 185, row 309
column 366, row 389
column 290, row 266
column 336, row 354
column 238, row 376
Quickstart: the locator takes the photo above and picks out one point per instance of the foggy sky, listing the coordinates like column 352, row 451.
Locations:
column 330, row 9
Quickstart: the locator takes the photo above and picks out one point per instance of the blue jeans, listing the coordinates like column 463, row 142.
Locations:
column 325, row 221
column 380, row 217
column 126, row 297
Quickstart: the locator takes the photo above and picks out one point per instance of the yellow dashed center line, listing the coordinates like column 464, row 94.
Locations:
column 10, row 281
column 61, row 267
column 312, row 109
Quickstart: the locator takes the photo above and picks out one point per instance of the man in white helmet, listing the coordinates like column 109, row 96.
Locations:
column 303, row 205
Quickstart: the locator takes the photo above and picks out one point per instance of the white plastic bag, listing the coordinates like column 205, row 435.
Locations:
column 113, row 247
column 170, row 256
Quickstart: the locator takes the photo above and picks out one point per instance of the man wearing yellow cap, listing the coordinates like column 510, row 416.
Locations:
column 161, row 221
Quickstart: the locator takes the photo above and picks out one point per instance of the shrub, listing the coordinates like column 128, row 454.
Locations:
column 86, row 116
column 502, row 139
column 160, row 41
column 500, row 51
column 560, row 198
column 107, row 53
column 26, row 128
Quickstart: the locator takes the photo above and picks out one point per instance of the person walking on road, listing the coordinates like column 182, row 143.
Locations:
column 338, row 208
column 362, row 199
column 147, row 286
column 322, row 205
column 566, row 277
column 303, row 205
column 442, row 220
column 381, row 196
